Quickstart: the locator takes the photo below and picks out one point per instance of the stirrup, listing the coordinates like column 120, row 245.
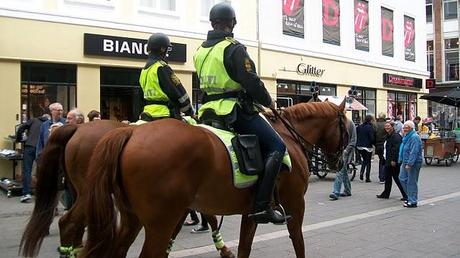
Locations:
column 269, row 216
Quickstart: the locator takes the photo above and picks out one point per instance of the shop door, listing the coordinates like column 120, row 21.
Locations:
column 121, row 94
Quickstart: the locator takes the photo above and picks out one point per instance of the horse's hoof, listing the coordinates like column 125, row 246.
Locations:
column 226, row 253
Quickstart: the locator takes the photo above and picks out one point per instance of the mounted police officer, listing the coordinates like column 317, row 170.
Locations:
column 231, row 86
column 164, row 94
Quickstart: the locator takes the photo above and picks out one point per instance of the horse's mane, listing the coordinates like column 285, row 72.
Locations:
column 312, row 110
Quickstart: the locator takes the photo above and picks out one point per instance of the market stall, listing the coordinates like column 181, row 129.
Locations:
column 443, row 146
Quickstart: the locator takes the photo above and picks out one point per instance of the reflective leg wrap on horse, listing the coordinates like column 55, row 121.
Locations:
column 264, row 213
column 218, row 240
column 68, row 251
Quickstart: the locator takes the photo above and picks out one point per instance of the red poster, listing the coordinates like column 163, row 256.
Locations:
column 409, row 38
column 331, row 21
column 361, row 25
column 293, row 18
column 387, row 32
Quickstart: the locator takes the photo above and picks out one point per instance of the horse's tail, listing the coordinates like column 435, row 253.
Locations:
column 103, row 181
column 49, row 164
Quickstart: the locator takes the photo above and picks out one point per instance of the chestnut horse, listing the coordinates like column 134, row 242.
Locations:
column 158, row 170
column 69, row 148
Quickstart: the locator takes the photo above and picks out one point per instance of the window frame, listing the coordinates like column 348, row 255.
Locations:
column 364, row 99
column 429, row 3
column 205, row 17
column 452, row 16
column 100, row 3
column 430, row 58
column 450, row 50
column 155, row 10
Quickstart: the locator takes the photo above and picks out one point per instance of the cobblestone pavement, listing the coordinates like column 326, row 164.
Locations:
column 356, row 226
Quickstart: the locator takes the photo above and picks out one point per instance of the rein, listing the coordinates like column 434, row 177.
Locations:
column 306, row 146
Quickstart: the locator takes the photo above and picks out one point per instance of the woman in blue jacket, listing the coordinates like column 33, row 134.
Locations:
column 410, row 157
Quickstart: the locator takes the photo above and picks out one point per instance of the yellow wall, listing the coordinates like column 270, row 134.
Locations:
column 9, row 113
column 88, row 88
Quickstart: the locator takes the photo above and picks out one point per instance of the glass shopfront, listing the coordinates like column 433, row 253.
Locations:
column 402, row 103
column 368, row 98
column 293, row 92
column 45, row 83
column 121, row 94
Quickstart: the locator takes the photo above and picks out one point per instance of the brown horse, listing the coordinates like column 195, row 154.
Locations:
column 70, row 149
column 160, row 169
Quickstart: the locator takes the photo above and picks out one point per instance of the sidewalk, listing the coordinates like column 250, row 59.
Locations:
column 356, row 226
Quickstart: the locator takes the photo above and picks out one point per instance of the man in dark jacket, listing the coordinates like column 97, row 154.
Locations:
column 391, row 152
column 366, row 139
column 380, row 135
column 33, row 130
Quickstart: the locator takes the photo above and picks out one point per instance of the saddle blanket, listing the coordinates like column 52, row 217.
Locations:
column 240, row 180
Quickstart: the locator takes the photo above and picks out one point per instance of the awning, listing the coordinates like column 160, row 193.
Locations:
column 355, row 105
column 449, row 97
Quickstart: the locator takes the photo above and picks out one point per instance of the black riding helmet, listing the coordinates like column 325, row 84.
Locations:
column 222, row 12
column 158, row 42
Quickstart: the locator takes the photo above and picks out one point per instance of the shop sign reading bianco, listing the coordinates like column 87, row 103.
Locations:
column 104, row 45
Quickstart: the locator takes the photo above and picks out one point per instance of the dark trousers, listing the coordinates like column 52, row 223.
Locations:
column 269, row 140
column 381, row 166
column 392, row 172
column 366, row 163
column 29, row 157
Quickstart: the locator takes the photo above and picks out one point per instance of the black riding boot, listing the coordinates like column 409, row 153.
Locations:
column 263, row 210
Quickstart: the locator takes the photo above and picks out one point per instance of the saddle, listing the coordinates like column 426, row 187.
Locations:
column 246, row 146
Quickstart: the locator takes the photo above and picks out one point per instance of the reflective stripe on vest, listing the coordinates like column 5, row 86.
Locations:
column 214, row 79
column 152, row 90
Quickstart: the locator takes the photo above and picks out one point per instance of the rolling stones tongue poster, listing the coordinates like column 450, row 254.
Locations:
column 331, row 22
column 387, row 32
column 293, row 18
column 409, row 38
column 362, row 25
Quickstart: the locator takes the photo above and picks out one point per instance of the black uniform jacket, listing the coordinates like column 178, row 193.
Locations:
column 240, row 67
column 171, row 86
column 393, row 141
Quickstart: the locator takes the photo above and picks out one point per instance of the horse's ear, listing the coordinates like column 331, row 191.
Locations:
column 342, row 105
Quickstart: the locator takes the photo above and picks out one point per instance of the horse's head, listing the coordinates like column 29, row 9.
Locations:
column 335, row 137
column 324, row 125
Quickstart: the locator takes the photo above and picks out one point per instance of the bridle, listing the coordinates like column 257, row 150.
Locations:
column 308, row 148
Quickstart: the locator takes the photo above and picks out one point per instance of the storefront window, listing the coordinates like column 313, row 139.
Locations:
column 401, row 103
column 429, row 10
column 121, row 94
column 293, row 92
column 451, row 59
column 450, row 9
column 43, row 84
column 367, row 98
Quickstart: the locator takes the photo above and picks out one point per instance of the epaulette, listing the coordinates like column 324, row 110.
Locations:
column 162, row 62
column 232, row 40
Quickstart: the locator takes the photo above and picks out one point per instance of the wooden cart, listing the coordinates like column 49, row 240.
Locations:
column 440, row 150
